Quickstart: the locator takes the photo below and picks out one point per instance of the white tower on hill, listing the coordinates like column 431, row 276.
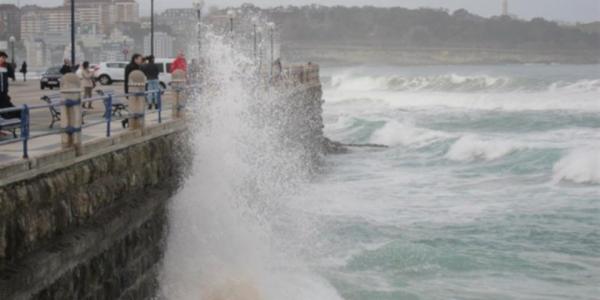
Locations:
column 505, row 7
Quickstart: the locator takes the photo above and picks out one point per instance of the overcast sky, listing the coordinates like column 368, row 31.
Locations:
column 564, row 10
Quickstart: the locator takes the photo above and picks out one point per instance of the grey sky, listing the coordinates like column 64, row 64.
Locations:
column 565, row 10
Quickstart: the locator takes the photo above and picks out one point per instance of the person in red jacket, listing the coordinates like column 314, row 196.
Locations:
column 179, row 63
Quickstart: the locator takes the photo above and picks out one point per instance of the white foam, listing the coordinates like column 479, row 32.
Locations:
column 584, row 85
column 451, row 82
column 394, row 133
column 514, row 101
column 579, row 166
column 469, row 148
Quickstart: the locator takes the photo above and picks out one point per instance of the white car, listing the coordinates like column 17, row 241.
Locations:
column 114, row 71
column 109, row 72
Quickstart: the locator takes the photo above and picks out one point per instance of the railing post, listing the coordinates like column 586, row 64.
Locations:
column 137, row 100
column 108, row 111
column 25, row 130
column 178, row 82
column 71, row 111
column 158, row 98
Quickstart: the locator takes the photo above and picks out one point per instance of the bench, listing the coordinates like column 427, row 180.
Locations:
column 55, row 113
column 53, row 99
column 10, row 125
column 119, row 105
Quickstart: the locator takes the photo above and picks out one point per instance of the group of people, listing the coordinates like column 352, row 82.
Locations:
column 152, row 71
column 138, row 62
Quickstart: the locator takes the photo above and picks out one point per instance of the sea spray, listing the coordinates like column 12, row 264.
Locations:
column 228, row 227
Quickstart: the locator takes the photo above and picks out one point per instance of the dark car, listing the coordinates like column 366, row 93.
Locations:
column 51, row 78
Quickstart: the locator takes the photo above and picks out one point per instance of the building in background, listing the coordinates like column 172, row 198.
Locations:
column 125, row 11
column 97, row 12
column 163, row 45
column 37, row 54
column 179, row 19
column 10, row 22
column 505, row 7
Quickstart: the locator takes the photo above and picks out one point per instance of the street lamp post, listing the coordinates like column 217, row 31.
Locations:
column 198, row 4
column 259, row 37
column 272, row 29
column 231, row 15
column 125, row 49
column 73, row 33
column 152, row 27
column 254, row 24
column 12, row 41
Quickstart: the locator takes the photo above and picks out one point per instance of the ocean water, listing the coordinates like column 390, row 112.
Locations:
column 489, row 189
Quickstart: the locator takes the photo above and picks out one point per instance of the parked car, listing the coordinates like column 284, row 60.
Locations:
column 109, row 72
column 164, row 65
column 51, row 78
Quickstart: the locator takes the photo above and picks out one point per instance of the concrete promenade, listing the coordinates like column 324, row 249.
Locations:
column 30, row 93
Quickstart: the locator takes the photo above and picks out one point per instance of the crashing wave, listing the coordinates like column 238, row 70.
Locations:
column 470, row 148
column 394, row 133
column 457, row 83
column 579, row 166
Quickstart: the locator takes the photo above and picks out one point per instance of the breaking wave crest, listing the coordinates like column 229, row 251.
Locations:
column 579, row 166
column 457, row 83
column 470, row 148
column 394, row 133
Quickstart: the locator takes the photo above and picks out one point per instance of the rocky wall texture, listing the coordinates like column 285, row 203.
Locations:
column 92, row 230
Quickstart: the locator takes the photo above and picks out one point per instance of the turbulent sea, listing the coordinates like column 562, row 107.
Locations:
column 489, row 189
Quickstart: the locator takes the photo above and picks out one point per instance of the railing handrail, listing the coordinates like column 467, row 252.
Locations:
column 24, row 136
column 298, row 74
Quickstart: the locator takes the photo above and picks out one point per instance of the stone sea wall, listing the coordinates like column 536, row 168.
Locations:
column 91, row 227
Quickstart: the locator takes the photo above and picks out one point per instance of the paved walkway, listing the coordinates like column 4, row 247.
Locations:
column 30, row 93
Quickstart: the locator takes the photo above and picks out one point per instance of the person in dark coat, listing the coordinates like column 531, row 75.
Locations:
column 152, row 73
column 66, row 67
column 24, row 70
column 134, row 64
column 6, row 71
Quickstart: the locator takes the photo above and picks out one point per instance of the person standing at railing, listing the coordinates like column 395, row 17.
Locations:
column 277, row 70
column 152, row 72
column 24, row 70
column 179, row 63
column 6, row 71
column 66, row 67
column 135, row 64
column 87, row 82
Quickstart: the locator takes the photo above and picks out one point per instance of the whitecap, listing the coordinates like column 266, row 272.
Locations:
column 470, row 148
column 579, row 166
column 394, row 133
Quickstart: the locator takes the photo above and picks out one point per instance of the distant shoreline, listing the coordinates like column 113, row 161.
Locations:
column 350, row 54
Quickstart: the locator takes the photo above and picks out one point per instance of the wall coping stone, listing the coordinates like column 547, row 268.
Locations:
column 65, row 158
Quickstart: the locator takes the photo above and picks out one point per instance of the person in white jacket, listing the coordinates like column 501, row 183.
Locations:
column 87, row 82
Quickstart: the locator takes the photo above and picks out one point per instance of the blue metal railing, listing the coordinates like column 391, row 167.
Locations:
column 25, row 112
